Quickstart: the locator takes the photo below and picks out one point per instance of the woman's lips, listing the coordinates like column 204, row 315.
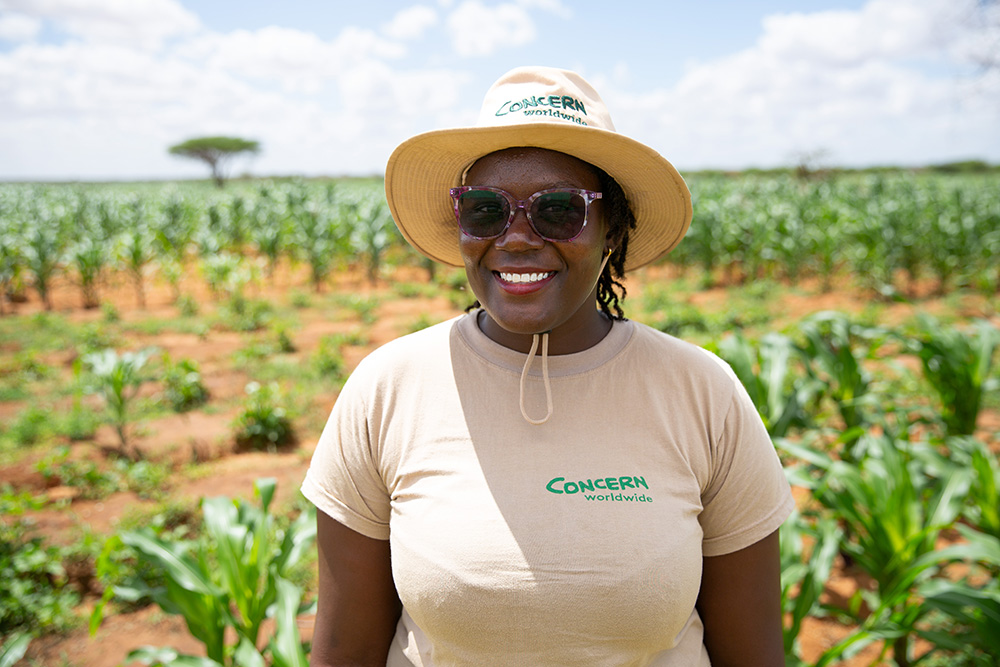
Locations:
column 523, row 282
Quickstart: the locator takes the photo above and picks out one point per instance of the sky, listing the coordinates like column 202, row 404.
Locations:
column 99, row 89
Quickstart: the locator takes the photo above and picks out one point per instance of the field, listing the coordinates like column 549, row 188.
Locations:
column 165, row 343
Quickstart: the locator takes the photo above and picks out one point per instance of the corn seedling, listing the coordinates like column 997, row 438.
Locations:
column 892, row 513
column 957, row 365
column 231, row 580
column 42, row 250
column 89, row 257
column 833, row 350
column 804, row 572
column 768, row 375
column 117, row 378
column 134, row 250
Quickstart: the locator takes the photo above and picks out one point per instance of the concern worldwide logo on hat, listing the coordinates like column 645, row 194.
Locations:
column 551, row 106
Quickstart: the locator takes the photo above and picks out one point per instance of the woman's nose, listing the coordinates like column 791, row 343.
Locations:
column 520, row 234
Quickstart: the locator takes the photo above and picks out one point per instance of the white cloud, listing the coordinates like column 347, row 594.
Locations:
column 478, row 30
column 411, row 23
column 343, row 112
column 144, row 23
column 884, row 83
column 852, row 83
column 882, row 29
column 300, row 62
column 552, row 6
column 18, row 27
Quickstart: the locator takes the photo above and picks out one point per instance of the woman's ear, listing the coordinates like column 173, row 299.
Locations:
column 613, row 239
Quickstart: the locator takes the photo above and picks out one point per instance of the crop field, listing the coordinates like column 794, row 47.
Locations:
column 169, row 353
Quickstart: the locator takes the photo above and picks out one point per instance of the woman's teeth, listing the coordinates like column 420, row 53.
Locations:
column 525, row 277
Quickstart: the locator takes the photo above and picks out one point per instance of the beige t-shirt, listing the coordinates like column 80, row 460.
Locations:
column 577, row 542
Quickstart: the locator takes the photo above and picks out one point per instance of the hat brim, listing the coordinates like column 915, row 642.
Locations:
column 422, row 169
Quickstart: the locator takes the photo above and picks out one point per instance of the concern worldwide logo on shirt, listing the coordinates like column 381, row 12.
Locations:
column 625, row 489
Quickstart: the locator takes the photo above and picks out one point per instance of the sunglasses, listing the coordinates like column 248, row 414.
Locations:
column 559, row 214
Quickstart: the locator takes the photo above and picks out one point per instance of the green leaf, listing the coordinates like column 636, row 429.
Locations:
column 286, row 647
column 264, row 488
column 247, row 655
column 181, row 569
column 169, row 657
column 14, row 648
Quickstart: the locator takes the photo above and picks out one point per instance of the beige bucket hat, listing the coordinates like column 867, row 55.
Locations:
column 546, row 108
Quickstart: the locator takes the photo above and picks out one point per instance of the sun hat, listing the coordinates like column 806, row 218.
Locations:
column 539, row 107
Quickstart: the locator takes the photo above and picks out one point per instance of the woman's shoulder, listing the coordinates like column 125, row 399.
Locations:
column 680, row 355
column 415, row 349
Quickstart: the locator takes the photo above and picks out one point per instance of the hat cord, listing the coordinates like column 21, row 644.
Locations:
column 545, row 365
column 545, row 377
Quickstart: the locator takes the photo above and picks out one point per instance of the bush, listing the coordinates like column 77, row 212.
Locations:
column 30, row 427
column 184, row 389
column 328, row 360
column 263, row 424
column 34, row 596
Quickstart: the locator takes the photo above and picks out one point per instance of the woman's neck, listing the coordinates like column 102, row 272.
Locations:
column 568, row 338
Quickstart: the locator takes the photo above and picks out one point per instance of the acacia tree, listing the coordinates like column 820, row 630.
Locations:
column 215, row 152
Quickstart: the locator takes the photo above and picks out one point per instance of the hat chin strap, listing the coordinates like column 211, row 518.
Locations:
column 545, row 365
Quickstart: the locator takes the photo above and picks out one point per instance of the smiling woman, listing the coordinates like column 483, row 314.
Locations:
column 458, row 529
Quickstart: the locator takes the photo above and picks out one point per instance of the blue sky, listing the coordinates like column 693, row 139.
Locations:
column 98, row 89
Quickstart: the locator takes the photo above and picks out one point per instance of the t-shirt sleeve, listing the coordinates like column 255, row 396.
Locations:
column 343, row 479
column 748, row 496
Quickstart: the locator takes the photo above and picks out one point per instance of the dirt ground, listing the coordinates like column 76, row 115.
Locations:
column 207, row 436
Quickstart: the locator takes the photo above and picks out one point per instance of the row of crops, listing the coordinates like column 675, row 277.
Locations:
column 902, row 492
column 889, row 232
column 877, row 425
column 891, row 481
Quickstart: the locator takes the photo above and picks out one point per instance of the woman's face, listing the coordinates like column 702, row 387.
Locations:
column 562, row 296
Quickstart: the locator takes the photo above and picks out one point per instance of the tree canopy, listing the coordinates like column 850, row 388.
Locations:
column 215, row 152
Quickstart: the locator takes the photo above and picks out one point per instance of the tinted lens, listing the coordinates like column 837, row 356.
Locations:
column 482, row 213
column 559, row 215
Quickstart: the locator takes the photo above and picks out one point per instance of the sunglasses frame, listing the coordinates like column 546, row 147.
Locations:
column 589, row 196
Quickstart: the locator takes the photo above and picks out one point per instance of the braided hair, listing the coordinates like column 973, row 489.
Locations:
column 620, row 220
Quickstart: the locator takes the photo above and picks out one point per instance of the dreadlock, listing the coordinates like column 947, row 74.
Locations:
column 620, row 220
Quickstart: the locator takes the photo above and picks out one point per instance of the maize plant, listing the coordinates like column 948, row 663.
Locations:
column 971, row 633
column 768, row 374
column 321, row 239
column 117, row 378
column 892, row 513
column 43, row 246
column 374, row 233
column 174, row 227
column 269, row 232
column 228, row 582
column 89, row 257
column 982, row 507
column 11, row 263
column 804, row 572
column 957, row 365
column 833, row 351
column 134, row 250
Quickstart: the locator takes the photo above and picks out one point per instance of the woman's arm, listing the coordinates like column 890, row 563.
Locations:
column 358, row 605
column 740, row 606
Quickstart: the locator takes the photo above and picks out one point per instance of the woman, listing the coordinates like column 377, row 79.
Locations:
column 541, row 481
